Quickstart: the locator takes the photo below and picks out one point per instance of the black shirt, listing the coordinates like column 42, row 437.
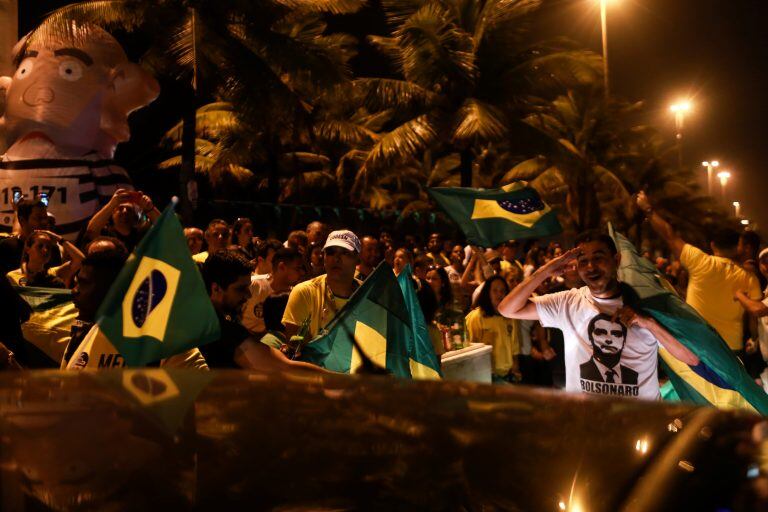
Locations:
column 221, row 353
column 11, row 248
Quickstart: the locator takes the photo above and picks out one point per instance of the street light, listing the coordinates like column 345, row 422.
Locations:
column 724, row 177
column 744, row 222
column 680, row 109
column 710, row 165
column 737, row 208
column 604, row 24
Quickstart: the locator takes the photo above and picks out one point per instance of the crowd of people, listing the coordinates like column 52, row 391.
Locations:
column 553, row 317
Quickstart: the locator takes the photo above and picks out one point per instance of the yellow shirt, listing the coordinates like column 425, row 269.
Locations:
column 312, row 299
column 438, row 259
column 501, row 333
column 17, row 277
column 200, row 257
column 711, row 284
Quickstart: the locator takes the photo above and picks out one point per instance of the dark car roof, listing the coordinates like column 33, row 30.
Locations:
column 232, row 439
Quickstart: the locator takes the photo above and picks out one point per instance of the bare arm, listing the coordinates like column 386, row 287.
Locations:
column 753, row 307
column 67, row 271
column 630, row 318
column 253, row 355
column 469, row 271
column 291, row 330
column 146, row 205
column 518, row 304
column 661, row 226
column 101, row 217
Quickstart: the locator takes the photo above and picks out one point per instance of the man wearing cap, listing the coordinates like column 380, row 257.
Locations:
column 319, row 299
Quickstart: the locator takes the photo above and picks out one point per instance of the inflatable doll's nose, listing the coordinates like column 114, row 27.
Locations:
column 38, row 95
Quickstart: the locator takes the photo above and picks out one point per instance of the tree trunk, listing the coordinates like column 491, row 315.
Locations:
column 465, row 167
column 273, row 167
column 187, row 184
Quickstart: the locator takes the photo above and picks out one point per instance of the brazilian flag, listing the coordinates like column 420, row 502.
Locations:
column 378, row 319
column 424, row 362
column 49, row 326
column 719, row 379
column 158, row 306
column 490, row 217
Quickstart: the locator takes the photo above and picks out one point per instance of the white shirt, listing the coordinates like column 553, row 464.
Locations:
column 630, row 353
column 762, row 330
column 253, row 309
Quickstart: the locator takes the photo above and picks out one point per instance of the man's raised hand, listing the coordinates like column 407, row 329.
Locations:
column 643, row 202
column 557, row 266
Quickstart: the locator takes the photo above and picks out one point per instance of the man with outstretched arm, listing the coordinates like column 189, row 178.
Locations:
column 609, row 348
column 713, row 279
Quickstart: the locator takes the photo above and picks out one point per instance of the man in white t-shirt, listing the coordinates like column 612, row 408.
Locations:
column 759, row 309
column 287, row 270
column 609, row 348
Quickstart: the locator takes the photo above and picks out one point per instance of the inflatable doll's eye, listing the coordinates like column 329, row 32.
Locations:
column 25, row 69
column 70, row 70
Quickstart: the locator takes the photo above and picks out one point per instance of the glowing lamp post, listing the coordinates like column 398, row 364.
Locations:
column 724, row 177
column 679, row 110
column 737, row 208
column 711, row 166
column 604, row 24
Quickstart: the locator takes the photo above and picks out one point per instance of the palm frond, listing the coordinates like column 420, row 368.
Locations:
column 383, row 93
column 345, row 132
column 443, row 169
column 297, row 161
column 183, row 44
column 71, row 22
column 434, row 50
column 479, row 121
column 209, row 122
column 503, row 17
column 388, row 46
column 527, row 170
column 397, row 11
column 405, row 141
column 323, row 6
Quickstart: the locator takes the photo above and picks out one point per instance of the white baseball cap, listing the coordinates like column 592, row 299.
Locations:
column 343, row 238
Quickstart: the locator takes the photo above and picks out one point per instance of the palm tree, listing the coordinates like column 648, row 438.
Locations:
column 263, row 55
column 465, row 67
column 614, row 158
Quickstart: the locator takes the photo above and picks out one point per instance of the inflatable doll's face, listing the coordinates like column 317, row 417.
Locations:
column 75, row 93
column 61, row 89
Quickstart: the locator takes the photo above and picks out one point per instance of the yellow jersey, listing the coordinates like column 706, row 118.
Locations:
column 313, row 299
column 711, row 284
column 502, row 333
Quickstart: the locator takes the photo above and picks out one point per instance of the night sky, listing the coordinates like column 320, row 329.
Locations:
column 712, row 51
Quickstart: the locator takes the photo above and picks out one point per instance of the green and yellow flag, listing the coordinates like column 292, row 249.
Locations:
column 490, row 217
column 719, row 379
column 49, row 326
column 425, row 364
column 377, row 317
column 158, row 306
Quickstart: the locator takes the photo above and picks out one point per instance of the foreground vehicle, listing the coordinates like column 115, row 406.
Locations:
column 185, row 440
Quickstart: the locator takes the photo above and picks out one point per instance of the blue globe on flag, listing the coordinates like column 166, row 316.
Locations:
column 522, row 206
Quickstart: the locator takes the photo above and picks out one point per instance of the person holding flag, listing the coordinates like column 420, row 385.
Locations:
column 227, row 277
column 98, row 272
column 319, row 299
column 713, row 279
column 609, row 348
